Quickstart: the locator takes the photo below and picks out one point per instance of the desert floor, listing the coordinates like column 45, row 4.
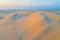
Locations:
column 28, row 25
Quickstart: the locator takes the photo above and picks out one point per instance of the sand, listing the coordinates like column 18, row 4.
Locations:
column 28, row 25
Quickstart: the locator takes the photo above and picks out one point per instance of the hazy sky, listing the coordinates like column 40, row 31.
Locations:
column 6, row 4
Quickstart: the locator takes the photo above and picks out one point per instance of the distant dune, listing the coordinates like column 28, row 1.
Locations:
column 28, row 25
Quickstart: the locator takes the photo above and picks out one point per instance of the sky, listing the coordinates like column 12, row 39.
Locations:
column 30, row 4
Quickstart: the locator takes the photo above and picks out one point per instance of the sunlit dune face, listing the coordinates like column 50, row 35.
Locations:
column 35, row 18
column 35, row 22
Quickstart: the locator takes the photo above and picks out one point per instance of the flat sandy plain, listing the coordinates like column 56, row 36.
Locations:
column 30, row 25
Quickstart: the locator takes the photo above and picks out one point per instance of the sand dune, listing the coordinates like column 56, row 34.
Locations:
column 28, row 25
